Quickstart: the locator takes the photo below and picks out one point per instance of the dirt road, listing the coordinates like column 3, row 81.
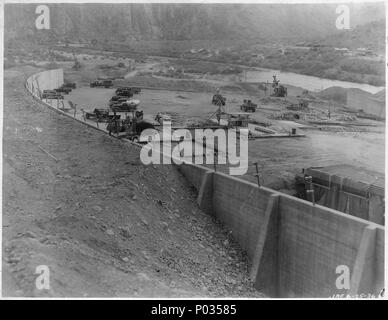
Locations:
column 82, row 203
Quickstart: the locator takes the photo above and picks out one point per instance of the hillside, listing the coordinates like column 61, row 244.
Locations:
column 124, row 22
column 370, row 35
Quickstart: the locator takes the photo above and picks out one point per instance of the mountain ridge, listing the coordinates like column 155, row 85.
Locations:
column 123, row 22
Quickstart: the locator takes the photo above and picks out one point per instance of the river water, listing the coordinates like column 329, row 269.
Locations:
column 310, row 83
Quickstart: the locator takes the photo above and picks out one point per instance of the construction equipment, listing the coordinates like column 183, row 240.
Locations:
column 101, row 115
column 51, row 94
column 123, row 91
column 126, row 106
column 248, row 106
column 63, row 89
column 101, row 83
column 71, row 85
column 117, row 100
column 131, row 127
column 278, row 90
column 237, row 119
column 218, row 100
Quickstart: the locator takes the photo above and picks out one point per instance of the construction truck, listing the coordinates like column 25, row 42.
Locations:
column 248, row 106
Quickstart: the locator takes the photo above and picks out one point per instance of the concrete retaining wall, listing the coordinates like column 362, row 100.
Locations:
column 241, row 207
column 362, row 199
column 45, row 80
column 194, row 174
column 295, row 246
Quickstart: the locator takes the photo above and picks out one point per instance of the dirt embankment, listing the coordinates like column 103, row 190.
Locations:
column 103, row 223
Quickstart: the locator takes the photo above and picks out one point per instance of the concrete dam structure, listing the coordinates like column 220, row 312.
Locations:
column 297, row 249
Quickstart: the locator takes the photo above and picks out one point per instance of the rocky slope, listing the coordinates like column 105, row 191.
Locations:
column 84, row 22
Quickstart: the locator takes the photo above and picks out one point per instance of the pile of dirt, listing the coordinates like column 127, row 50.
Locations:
column 104, row 224
column 336, row 94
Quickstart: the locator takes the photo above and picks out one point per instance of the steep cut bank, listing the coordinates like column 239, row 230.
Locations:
column 105, row 225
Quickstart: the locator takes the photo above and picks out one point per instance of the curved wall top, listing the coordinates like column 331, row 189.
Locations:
column 45, row 80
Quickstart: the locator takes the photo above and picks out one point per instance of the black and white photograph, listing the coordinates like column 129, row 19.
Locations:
column 193, row 150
